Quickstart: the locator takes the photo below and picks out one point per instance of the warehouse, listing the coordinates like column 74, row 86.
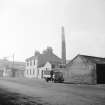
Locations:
column 86, row 69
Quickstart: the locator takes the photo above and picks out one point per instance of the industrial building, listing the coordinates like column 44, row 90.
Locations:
column 86, row 69
column 11, row 69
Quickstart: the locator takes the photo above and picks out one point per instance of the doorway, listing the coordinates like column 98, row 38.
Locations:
column 100, row 72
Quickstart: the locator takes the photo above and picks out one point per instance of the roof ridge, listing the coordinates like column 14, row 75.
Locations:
column 91, row 56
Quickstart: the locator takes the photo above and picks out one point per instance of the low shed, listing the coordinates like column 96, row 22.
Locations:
column 86, row 69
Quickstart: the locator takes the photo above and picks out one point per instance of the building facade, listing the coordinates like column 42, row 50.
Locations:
column 11, row 69
column 40, row 65
column 86, row 69
column 31, row 69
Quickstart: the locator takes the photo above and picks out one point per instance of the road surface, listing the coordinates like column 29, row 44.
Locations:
column 38, row 92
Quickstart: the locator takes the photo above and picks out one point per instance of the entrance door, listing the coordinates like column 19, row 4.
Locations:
column 42, row 74
column 100, row 72
column 13, row 72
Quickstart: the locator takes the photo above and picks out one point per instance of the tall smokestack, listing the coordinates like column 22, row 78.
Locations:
column 63, row 46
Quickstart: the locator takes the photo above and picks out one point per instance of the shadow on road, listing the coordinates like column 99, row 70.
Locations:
column 9, row 98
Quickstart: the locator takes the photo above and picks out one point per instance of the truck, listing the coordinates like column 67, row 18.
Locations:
column 56, row 78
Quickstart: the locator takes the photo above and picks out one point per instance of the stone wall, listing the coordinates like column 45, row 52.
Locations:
column 81, row 71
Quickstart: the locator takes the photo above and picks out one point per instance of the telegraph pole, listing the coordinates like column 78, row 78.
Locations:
column 13, row 59
column 13, row 66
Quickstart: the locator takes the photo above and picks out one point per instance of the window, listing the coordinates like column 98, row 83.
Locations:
column 30, row 71
column 38, row 71
column 47, row 72
column 33, row 71
column 30, row 63
column 27, row 71
column 53, row 66
column 34, row 62
column 27, row 64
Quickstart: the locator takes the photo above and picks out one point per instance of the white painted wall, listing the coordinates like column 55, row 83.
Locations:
column 31, row 71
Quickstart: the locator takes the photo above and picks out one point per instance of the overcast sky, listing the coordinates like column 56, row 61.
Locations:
column 29, row 25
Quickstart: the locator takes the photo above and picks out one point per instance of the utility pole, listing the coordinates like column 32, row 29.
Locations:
column 13, row 72
column 13, row 58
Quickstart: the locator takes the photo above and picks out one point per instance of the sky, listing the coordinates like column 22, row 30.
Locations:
column 29, row 25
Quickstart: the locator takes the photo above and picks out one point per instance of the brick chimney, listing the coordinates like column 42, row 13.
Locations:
column 63, row 46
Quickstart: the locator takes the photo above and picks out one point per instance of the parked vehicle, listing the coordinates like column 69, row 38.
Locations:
column 56, row 78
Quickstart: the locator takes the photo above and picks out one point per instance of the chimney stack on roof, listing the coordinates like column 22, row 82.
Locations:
column 37, row 53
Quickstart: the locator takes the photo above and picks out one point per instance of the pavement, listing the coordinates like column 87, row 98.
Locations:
column 37, row 92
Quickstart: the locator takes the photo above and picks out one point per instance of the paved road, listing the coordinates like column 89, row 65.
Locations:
column 35, row 92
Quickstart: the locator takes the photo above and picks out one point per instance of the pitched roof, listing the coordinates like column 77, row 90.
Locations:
column 46, row 57
column 97, row 60
column 30, row 58
column 94, row 59
column 52, row 58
